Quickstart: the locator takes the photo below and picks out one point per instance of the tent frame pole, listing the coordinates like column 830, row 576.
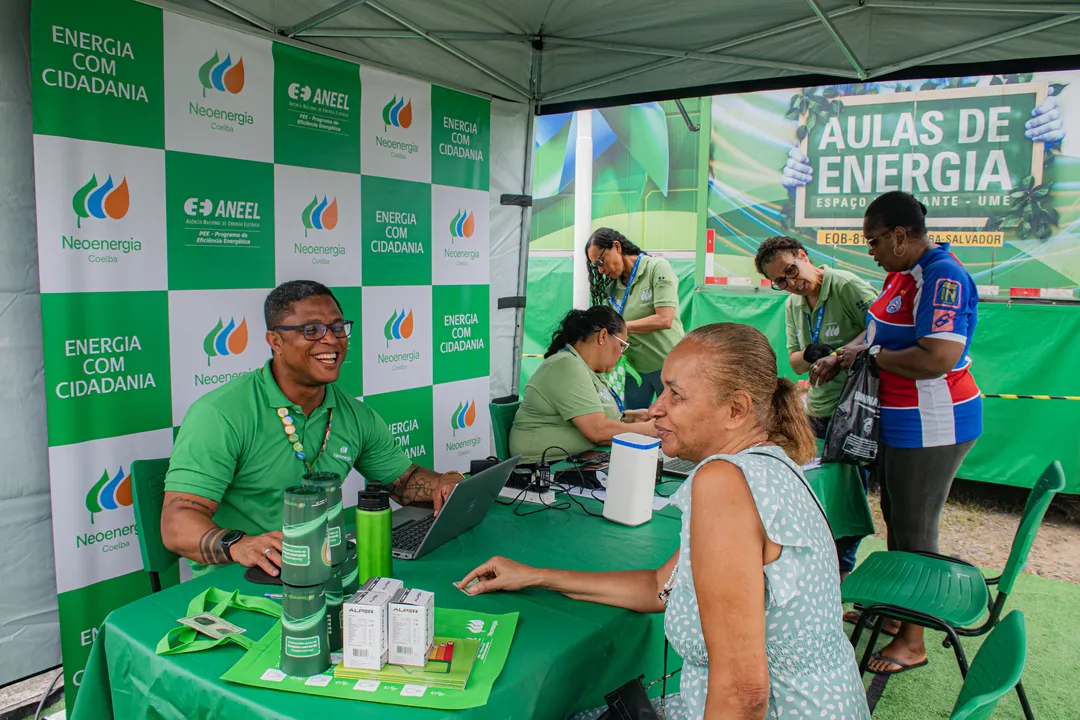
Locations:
column 838, row 38
column 968, row 8
column 243, row 15
column 460, row 55
column 376, row 33
column 715, row 47
column 693, row 55
column 526, row 214
column 975, row 45
column 320, row 18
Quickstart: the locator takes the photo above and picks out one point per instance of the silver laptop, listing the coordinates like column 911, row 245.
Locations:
column 416, row 531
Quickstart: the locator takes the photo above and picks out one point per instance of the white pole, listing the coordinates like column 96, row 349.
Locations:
column 583, row 181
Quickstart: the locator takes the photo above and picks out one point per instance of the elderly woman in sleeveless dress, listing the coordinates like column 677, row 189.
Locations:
column 753, row 583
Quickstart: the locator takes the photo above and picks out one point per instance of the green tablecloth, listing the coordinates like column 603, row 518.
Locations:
column 565, row 656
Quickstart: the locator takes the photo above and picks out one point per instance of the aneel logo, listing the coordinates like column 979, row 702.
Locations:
column 223, row 340
column 109, row 493
column 399, row 326
column 462, row 225
column 298, row 92
column 101, row 201
column 397, row 113
column 320, row 215
column 464, row 416
column 222, row 75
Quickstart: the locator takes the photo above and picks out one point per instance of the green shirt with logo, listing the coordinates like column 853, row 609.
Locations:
column 654, row 286
column 845, row 298
column 232, row 449
column 562, row 388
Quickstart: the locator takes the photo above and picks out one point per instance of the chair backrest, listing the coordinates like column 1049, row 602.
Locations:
column 148, row 492
column 502, row 418
column 995, row 671
column 1050, row 483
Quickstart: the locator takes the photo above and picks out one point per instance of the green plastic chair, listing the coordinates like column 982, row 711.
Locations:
column 148, row 493
column 946, row 593
column 502, row 418
column 995, row 671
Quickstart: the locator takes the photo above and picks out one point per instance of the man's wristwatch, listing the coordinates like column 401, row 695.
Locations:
column 228, row 540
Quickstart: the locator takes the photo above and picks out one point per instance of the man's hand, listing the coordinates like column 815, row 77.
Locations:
column 421, row 485
column 636, row 416
column 447, row 481
column 262, row 550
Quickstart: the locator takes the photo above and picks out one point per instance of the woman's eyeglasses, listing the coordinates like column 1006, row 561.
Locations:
column 625, row 345
column 599, row 262
column 790, row 273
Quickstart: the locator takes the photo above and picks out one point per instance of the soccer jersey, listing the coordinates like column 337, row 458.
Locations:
column 935, row 299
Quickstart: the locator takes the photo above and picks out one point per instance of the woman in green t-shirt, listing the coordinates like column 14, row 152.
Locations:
column 644, row 291
column 566, row 407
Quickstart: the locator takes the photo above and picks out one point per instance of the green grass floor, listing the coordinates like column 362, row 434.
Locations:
column 1052, row 676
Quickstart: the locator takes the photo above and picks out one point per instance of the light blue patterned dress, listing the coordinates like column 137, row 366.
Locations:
column 812, row 668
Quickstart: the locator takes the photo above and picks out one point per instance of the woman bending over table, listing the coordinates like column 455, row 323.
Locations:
column 754, row 583
column 566, row 407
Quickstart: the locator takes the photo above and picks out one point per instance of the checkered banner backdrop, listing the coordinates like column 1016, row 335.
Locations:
column 182, row 171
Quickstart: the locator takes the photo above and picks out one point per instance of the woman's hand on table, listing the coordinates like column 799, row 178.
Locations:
column 499, row 573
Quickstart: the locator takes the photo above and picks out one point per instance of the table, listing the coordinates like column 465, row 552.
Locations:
column 565, row 656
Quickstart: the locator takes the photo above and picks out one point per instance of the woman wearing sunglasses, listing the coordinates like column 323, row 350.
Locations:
column 644, row 291
column 825, row 311
column 566, row 407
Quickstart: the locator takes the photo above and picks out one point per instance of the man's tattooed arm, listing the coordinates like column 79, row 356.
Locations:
column 188, row 528
column 416, row 485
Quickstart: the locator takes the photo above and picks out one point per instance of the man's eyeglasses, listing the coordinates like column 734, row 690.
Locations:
column 599, row 262
column 790, row 273
column 625, row 345
column 315, row 331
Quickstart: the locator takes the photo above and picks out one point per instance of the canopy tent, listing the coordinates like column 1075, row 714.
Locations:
column 558, row 52
column 532, row 57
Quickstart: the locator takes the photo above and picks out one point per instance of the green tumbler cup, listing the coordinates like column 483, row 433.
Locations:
column 350, row 574
column 305, row 549
column 304, row 648
column 330, row 483
column 334, row 600
column 374, row 556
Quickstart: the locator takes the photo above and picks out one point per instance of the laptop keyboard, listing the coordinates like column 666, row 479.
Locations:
column 677, row 465
column 409, row 537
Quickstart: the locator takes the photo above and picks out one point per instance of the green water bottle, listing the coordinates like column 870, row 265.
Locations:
column 374, row 557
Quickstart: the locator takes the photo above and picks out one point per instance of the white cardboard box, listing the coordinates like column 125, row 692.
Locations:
column 412, row 627
column 365, row 618
column 383, row 585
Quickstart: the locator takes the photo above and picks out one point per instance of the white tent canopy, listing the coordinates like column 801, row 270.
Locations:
column 575, row 51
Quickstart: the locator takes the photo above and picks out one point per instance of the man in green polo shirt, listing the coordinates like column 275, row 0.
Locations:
column 826, row 309
column 241, row 445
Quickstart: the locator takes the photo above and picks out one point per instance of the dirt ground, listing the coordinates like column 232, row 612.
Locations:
column 979, row 522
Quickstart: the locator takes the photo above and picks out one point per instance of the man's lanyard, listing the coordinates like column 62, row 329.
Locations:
column 615, row 395
column 815, row 328
column 294, row 438
column 620, row 306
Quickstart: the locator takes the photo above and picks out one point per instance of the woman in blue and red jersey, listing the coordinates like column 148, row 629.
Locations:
column 919, row 330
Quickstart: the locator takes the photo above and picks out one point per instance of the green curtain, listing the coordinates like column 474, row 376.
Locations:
column 1018, row 349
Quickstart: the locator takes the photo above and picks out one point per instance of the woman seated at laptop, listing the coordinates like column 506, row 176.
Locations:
column 566, row 407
